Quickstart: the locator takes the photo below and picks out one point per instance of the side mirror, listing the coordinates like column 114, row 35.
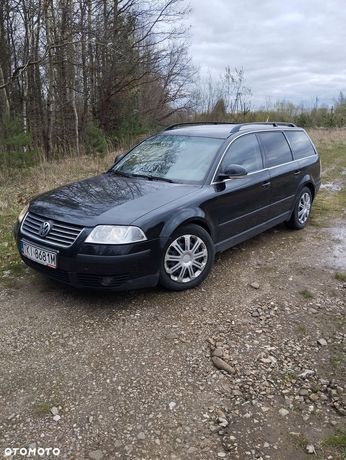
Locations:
column 232, row 171
column 119, row 157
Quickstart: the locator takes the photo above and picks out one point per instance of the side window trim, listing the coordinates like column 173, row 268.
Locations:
column 217, row 168
column 264, row 149
column 230, row 145
column 262, row 152
column 309, row 139
column 289, row 144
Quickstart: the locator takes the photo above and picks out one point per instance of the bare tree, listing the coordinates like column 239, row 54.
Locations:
column 66, row 64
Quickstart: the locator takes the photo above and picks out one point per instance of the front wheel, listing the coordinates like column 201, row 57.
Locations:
column 187, row 258
column 302, row 210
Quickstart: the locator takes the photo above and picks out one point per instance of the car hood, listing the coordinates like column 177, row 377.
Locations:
column 107, row 199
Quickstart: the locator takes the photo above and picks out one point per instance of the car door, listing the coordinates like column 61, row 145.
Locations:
column 285, row 174
column 239, row 204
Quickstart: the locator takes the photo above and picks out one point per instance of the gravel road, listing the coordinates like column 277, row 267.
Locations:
column 139, row 375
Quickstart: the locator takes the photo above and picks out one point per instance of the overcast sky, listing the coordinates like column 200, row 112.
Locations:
column 292, row 49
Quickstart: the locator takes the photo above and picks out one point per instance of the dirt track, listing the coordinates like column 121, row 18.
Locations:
column 131, row 374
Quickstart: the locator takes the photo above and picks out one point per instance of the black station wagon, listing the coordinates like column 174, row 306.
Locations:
column 163, row 210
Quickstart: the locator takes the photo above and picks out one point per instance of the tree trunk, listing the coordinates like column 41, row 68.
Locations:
column 3, row 93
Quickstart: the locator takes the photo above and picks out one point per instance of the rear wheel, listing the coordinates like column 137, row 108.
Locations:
column 187, row 258
column 302, row 210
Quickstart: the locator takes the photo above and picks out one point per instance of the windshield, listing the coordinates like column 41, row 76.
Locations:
column 171, row 157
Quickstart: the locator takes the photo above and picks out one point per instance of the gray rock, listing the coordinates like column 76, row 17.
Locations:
column 255, row 285
column 222, row 365
column 96, row 455
column 306, row 373
column 56, row 418
column 141, row 435
column 237, row 393
column 303, row 392
column 314, row 397
column 54, row 411
column 222, row 422
column 218, row 352
column 310, row 449
column 322, row 342
column 284, row 412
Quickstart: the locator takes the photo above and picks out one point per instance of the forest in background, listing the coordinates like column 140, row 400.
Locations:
column 85, row 76
column 78, row 74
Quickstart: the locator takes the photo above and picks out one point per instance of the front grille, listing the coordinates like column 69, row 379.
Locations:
column 60, row 234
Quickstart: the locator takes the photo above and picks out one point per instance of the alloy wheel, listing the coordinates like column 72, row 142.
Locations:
column 304, row 208
column 185, row 258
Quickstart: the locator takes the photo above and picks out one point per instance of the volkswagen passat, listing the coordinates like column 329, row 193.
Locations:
column 163, row 210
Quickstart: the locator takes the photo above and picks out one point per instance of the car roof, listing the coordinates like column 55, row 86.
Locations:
column 223, row 130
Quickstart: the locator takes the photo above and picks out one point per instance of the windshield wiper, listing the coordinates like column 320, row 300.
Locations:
column 161, row 178
column 119, row 173
column 144, row 176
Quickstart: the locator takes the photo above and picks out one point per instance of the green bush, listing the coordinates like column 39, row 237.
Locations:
column 12, row 135
column 15, row 145
column 95, row 140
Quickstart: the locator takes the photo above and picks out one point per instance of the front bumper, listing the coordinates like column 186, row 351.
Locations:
column 122, row 267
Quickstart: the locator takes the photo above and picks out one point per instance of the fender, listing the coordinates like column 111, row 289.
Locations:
column 184, row 216
column 306, row 181
column 309, row 181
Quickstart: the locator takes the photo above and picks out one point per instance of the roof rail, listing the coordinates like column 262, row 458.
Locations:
column 276, row 124
column 197, row 123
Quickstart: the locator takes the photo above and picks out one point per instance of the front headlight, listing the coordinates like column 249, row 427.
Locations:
column 115, row 234
column 22, row 213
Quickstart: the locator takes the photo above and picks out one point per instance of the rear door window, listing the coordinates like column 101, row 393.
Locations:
column 244, row 151
column 300, row 144
column 276, row 148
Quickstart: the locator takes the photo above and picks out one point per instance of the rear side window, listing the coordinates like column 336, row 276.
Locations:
column 244, row 151
column 300, row 144
column 276, row 149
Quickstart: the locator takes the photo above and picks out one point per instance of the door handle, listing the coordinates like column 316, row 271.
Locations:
column 296, row 173
column 266, row 184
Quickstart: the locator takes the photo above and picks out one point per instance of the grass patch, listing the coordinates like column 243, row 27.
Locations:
column 301, row 330
column 42, row 409
column 336, row 360
column 299, row 440
column 340, row 276
column 306, row 294
column 331, row 145
column 336, row 441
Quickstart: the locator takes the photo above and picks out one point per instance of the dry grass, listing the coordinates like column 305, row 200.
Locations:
column 17, row 187
column 328, row 135
column 330, row 204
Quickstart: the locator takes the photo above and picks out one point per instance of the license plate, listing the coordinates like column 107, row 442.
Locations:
column 39, row 255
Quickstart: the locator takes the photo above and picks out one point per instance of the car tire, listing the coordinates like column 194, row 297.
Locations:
column 302, row 210
column 187, row 258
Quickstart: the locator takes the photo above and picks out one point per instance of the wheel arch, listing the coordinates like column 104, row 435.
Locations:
column 311, row 187
column 186, row 217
